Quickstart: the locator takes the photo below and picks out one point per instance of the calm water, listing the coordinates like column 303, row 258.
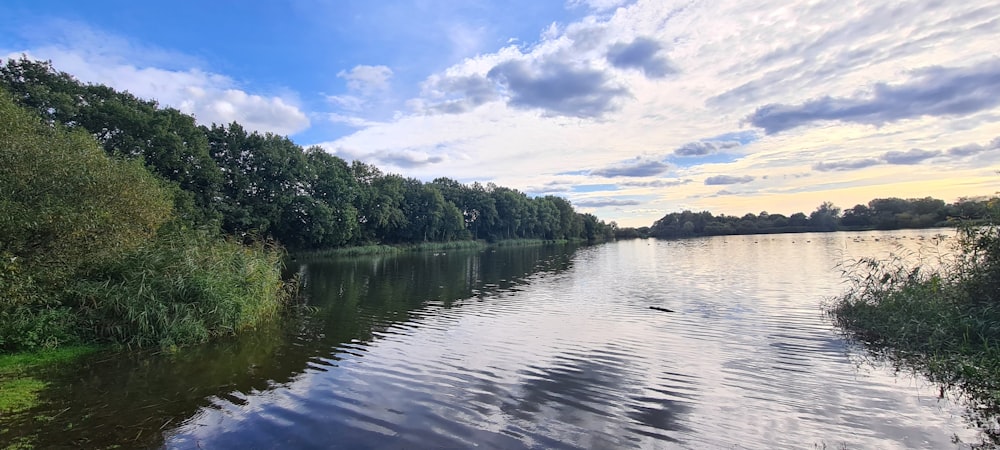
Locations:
column 545, row 347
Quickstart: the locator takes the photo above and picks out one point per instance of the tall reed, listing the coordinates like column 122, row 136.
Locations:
column 186, row 287
column 943, row 321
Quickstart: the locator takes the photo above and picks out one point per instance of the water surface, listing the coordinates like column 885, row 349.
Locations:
column 537, row 347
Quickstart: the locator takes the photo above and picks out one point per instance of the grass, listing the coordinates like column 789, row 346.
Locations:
column 382, row 249
column 183, row 289
column 20, row 363
column 529, row 242
column 19, row 389
column 943, row 322
column 19, row 395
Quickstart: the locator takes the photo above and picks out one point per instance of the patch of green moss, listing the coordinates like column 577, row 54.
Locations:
column 18, row 363
column 19, row 394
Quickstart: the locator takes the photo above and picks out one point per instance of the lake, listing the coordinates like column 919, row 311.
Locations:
column 531, row 347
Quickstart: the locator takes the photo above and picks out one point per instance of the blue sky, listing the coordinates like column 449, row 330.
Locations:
column 630, row 109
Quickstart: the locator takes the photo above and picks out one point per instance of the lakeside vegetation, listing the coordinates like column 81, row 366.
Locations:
column 942, row 321
column 94, row 252
column 127, row 223
column 878, row 214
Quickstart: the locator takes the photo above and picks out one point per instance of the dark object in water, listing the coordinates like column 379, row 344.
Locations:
column 661, row 309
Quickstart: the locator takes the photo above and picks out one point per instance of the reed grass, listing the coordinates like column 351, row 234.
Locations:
column 943, row 322
column 383, row 249
column 185, row 288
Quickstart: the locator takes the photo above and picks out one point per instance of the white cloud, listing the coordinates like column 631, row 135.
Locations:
column 367, row 80
column 95, row 57
column 210, row 98
column 724, row 60
column 596, row 5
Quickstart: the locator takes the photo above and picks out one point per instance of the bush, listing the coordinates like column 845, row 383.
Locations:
column 91, row 250
column 184, row 288
column 944, row 322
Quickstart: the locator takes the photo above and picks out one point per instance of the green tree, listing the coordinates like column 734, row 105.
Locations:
column 265, row 174
column 378, row 204
column 64, row 203
column 825, row 218
column 167, row 141
column 333, row 184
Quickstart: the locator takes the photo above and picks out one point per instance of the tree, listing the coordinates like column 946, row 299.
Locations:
column 477, row 207
column 167, row 141
column 798, row 220
column 858, row 216
column 825, row 217
column 332, row 183
column 65, row 203
column 264, row 175
column 378, row 203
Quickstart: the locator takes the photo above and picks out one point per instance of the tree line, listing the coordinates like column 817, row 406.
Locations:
column 265, row 186
column 128, row 223
column 878, row 214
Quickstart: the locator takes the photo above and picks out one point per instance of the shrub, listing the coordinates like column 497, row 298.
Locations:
column 183, row 288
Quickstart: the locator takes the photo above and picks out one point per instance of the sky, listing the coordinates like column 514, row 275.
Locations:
column 629, row 109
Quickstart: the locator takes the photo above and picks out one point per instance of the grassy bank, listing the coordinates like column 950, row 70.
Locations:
column 943, row 322
column 382, row 249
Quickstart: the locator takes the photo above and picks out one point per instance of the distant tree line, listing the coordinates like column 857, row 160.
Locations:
column 878, row 214
column 257, row 185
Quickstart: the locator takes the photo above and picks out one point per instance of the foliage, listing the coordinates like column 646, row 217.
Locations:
column 883, row 214
column 167, row 141
column 64, row 206
column 183, row 288
column 64, row 203
column 262, row 185
column 944, row 322
column 88, row 252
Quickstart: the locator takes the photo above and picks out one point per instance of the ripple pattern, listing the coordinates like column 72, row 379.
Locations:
column 569, row 355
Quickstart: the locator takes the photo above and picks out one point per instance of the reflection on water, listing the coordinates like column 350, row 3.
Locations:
column 541, row 347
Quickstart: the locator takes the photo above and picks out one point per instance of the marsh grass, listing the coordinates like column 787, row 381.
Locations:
column 383, row 249
column 942, row 321
column 19, row 395
column 184, row 288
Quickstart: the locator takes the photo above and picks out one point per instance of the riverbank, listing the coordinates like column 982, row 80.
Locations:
column 385, row 249
column 943, row 322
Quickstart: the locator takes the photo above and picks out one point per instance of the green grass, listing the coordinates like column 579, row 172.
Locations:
column 183, row 289
column 528, row 242
column 361, row 250
column 19, row 395
column 20, row 363
column 383, row 249
column 19, row 389
column 942, row 322
column 442, row 246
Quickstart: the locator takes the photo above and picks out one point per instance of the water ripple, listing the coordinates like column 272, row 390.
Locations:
column 572, row 357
